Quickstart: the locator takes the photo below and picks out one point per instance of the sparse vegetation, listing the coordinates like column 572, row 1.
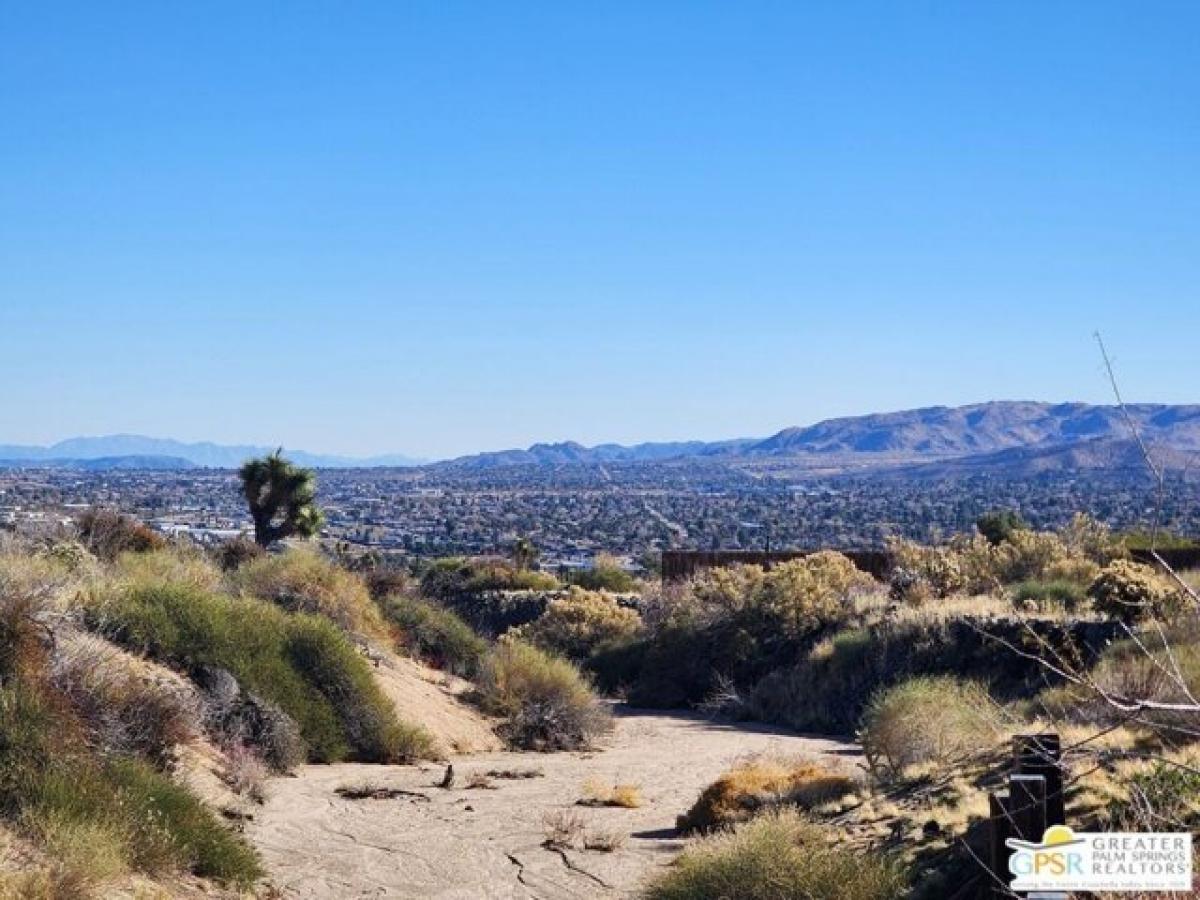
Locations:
column 576, row 624
column 300, row 662
column 928, row 720
column 547, row 704
column 761, row 784
column 435, row 634
column 305, row 581
column 777, row 856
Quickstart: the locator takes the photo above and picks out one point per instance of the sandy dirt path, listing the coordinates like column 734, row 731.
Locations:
column 474, row 843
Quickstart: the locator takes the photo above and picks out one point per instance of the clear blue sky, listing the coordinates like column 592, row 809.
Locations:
column 443, row 227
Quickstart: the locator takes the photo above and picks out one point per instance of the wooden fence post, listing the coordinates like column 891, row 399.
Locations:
column 1041, row 754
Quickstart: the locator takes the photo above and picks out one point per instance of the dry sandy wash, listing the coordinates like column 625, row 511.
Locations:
column 467, row 843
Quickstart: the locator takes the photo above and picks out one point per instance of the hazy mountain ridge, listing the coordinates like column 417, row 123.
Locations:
column 203, row 453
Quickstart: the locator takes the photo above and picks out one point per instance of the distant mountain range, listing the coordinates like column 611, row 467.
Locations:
column 1003, row 438
column 118, row 448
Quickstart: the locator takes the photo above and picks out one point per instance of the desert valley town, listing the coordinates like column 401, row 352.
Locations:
column 658, row 451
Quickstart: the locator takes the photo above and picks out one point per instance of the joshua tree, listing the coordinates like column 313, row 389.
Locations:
column 281, row 498
column 524, row 553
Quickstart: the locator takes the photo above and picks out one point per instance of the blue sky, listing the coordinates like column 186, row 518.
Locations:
column 443, row 227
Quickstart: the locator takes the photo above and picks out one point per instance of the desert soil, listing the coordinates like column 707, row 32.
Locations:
column 470, row 843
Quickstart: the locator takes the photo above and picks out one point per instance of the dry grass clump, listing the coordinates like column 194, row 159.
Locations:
column 563, row 828
column 928, row 720
column 598, row 792
column 245, row 772
column 547, row 703
column 763, row 783
column 604, row 840
column 576, row 624
column 176, row 565
column 479, row 781
column 303, row 580
column 776, row 856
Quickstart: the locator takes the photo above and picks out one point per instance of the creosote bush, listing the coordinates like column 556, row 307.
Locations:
column 435, row 635
column 776, row 856
column 576, row 624
column 547, row 703
column 927, row 720
column 305, row 581
column 605, row 574
column 761, row 784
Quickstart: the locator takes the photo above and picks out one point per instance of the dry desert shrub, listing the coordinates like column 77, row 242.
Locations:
column 107, row 534
column 563, row 828
column 928, row 719
column 763, row 783
column 305, row 581
column 1131, row 591
column 604, row 840
column 598, row 792
column 547, row 703
column 576, row 624
column 234, row 553
column 245, row 772
column 127, row 706
column 776, row 856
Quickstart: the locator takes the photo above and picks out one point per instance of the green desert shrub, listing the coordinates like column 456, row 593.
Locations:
column 453, row 578
column 305, row 581
column 1130, row 591
column 102, row 816
column 605, row 574
column 1163, row 796
column 927, row 720
column 760, row 784
column 1049, row 595
column 546, row 702
column 998, row 526
column 576, row 624
column 324, row 656
column 777, row 856
column 435, row 634
column 170, row 565
column 302, row 663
